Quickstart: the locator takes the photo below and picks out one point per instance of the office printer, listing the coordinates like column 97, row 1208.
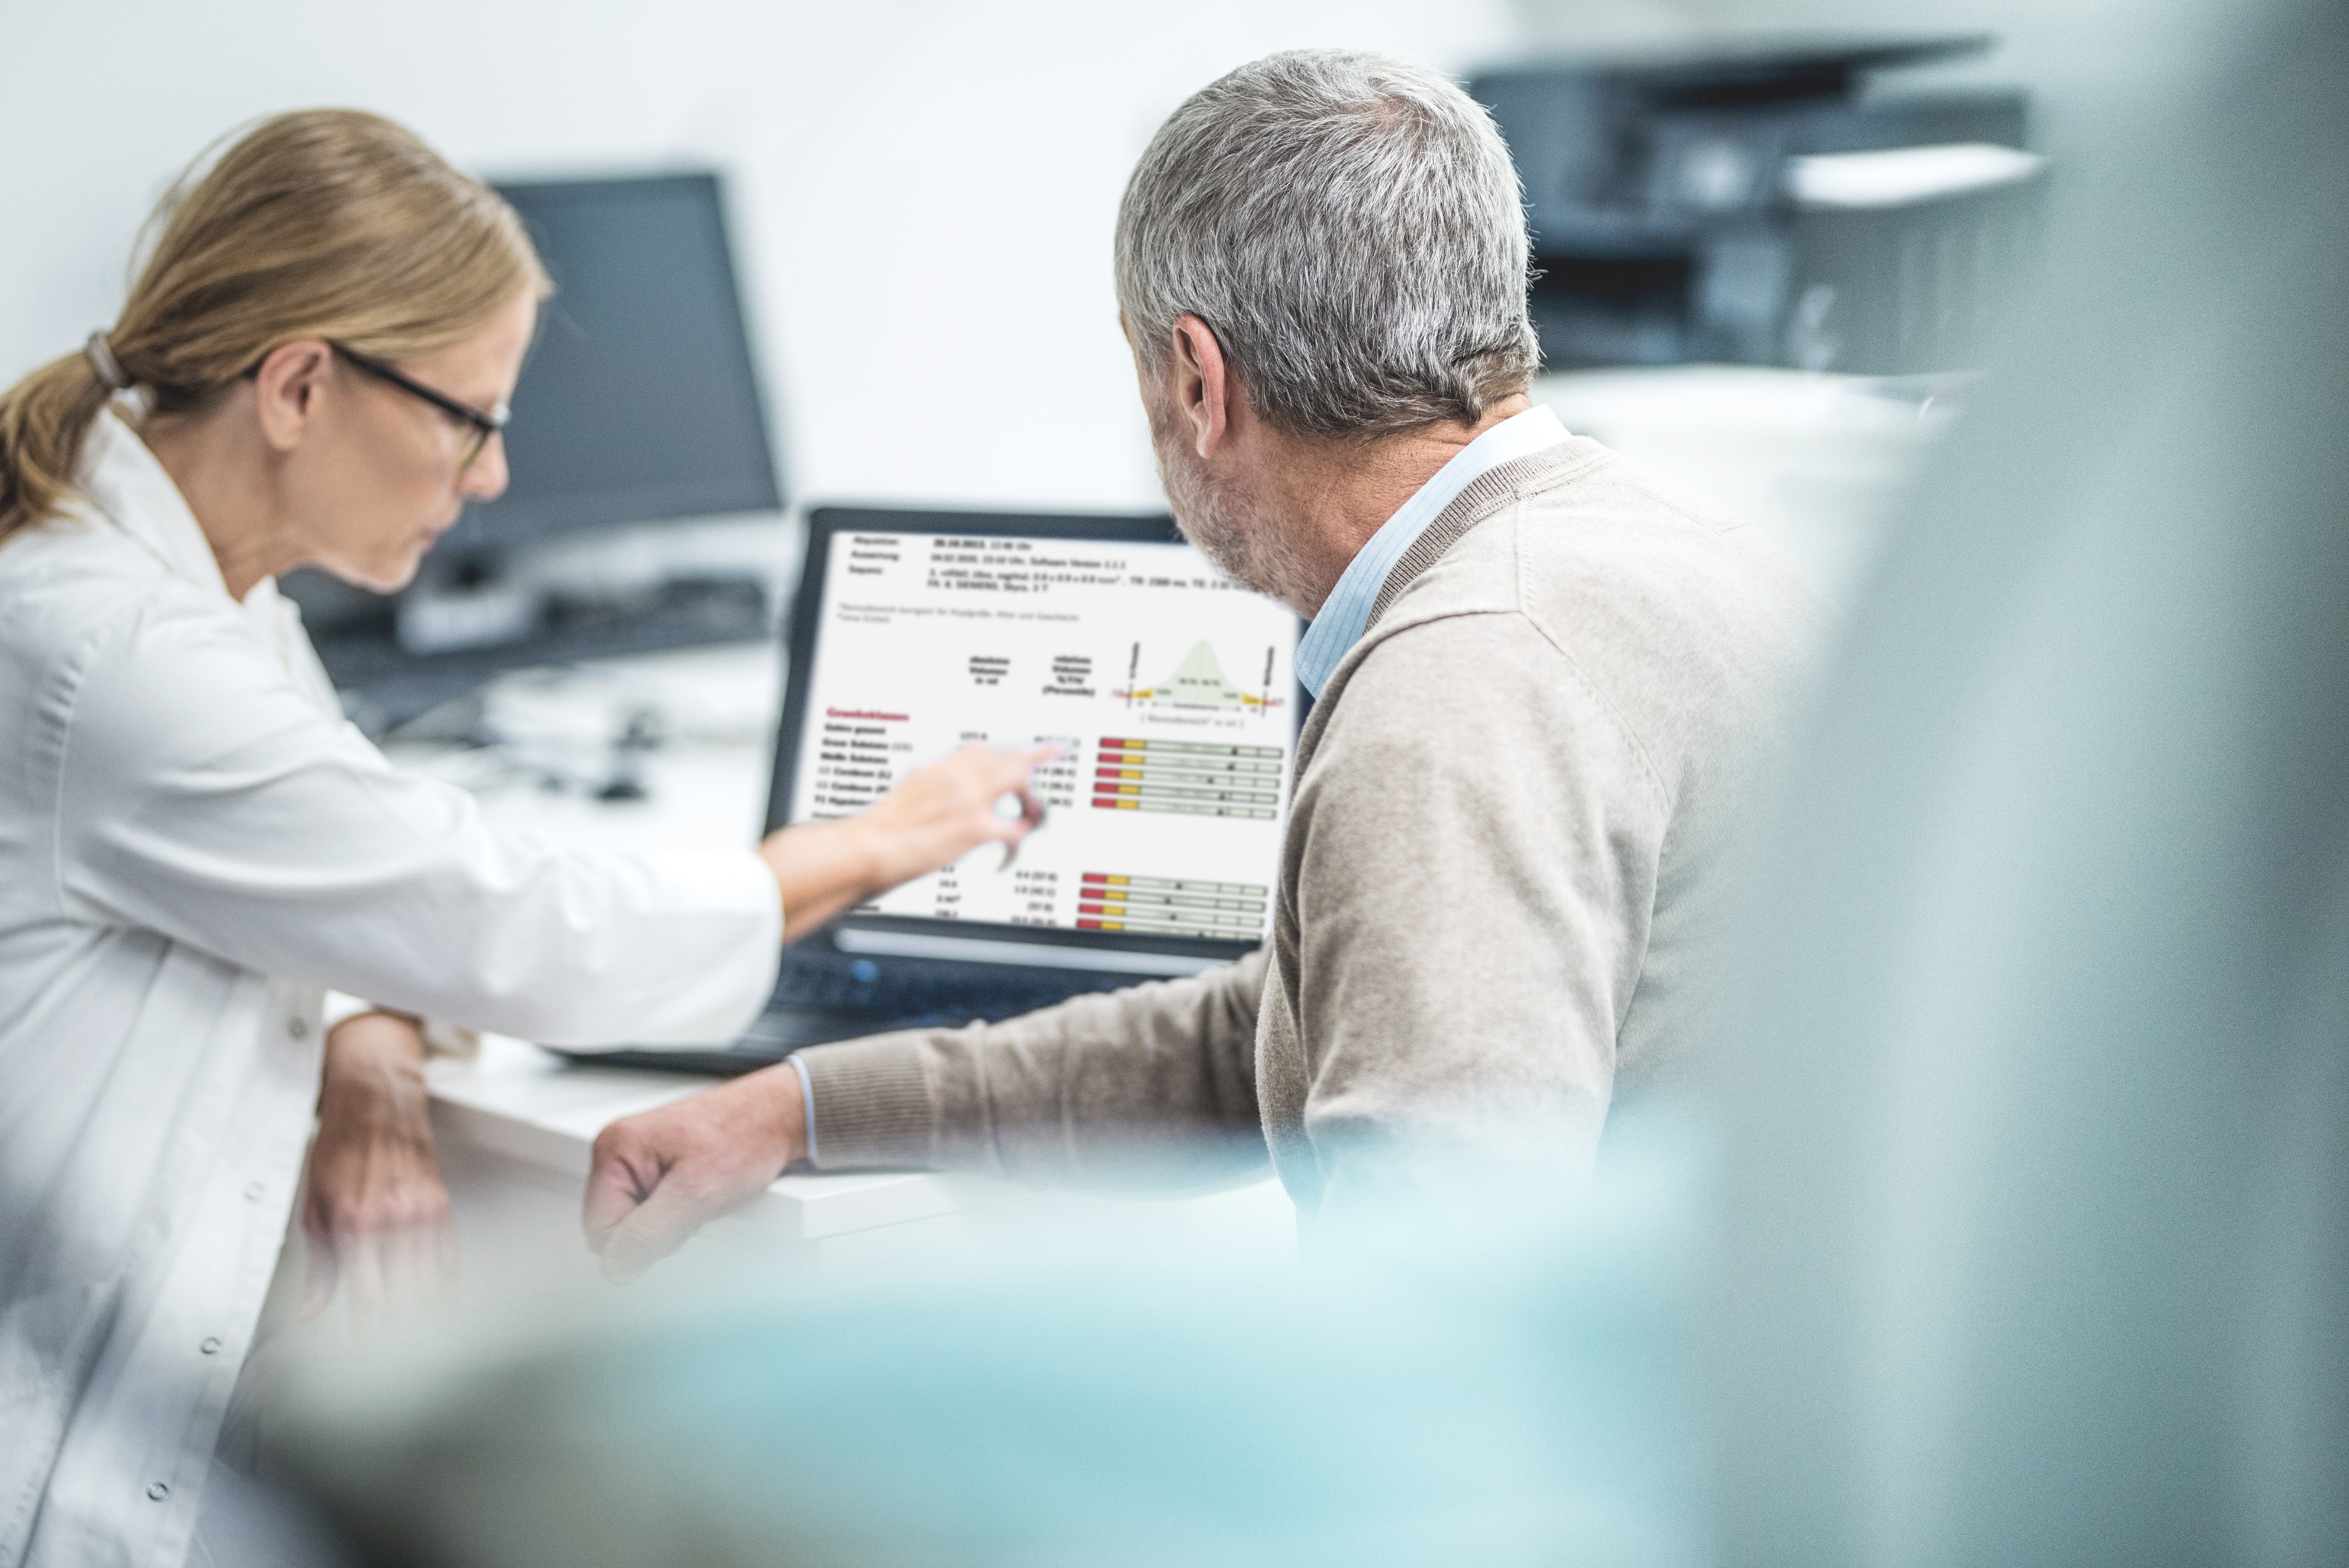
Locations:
column 1766, row 201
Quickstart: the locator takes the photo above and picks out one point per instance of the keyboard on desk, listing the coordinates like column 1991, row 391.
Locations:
column 822, row 996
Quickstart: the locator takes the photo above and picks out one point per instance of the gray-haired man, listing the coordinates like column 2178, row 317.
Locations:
column 1547, row 686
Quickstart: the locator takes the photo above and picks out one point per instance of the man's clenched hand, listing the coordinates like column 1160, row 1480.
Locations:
column 660, row 1175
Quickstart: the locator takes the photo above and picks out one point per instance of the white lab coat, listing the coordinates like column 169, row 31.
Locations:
column 193, row 846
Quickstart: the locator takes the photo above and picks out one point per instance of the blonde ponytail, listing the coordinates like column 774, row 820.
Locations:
column 43, row 421
column 322, row 224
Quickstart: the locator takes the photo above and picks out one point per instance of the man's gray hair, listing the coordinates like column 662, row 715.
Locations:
column 1351, row 228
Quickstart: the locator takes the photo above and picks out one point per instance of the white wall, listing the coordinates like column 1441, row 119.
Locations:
column 924, row 190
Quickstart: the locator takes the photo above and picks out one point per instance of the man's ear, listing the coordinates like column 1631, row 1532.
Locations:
column 1202, row 386
column 288, row 384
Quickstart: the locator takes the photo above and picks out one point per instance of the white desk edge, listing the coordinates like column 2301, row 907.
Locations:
column 531, row 1109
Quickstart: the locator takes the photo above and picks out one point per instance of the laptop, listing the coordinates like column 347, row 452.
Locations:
column 1173, row 693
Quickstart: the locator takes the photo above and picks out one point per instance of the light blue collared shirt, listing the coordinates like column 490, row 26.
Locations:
column 1348, row 609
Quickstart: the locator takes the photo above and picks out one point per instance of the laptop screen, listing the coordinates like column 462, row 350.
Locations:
column 1169, row 690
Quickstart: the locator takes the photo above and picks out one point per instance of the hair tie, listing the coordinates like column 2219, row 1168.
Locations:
column 101, row 359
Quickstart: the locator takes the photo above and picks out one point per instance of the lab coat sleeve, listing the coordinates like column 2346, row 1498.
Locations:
column 203, row 797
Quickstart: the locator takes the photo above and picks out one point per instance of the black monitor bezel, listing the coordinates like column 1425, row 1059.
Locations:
column 822, row 524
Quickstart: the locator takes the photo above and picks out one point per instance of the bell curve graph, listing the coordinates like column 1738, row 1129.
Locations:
column 1199, row 682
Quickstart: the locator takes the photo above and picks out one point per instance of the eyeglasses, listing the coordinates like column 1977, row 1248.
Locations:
column 484, row 425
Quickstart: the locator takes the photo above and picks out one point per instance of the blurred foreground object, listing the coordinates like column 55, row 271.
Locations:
column 2038, row 1228
column 1757, row 201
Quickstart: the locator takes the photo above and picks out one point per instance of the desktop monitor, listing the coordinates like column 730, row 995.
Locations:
column 638, row 402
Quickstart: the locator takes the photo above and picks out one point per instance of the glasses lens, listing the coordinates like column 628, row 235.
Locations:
column 476, row 440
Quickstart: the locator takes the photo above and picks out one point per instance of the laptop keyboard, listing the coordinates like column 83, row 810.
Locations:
column 930, row 992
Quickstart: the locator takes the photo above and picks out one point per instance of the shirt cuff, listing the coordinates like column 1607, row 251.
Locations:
column 807, row 1104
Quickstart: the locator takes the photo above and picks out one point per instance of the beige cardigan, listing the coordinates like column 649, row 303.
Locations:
column 1511, row 842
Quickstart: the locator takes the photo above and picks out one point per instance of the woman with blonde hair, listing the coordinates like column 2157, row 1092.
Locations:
column 311, row 368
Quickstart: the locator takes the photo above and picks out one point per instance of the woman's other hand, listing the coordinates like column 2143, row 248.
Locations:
column 935, row 816
column 375, row 1210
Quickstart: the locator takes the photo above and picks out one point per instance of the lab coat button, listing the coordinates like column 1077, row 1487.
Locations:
column 299, row 1028
column 211, row 1346
column 252, row 1191
column 158, row 1490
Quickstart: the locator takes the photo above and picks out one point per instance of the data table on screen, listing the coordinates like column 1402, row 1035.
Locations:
column 1169, row 691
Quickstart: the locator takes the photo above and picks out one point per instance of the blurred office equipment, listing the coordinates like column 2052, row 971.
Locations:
column 639, row 406
column 1763, row 202
column 1764, row 274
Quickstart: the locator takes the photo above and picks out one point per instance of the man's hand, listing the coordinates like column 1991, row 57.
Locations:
column 934, row 818
column 373, row 1207
column 660, row 1176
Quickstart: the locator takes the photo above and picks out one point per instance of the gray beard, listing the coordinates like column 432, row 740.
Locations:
column 1220, row 523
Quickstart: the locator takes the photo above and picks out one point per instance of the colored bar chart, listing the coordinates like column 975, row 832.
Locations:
column 1170, row 907
column 1195, row 778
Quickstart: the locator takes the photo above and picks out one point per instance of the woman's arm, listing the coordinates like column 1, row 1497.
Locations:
column 213, row 804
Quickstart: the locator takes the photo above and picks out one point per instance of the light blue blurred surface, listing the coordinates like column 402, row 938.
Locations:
column 1475, row 1385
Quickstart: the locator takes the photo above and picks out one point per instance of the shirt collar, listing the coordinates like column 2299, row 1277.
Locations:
column 1347, row 612
column 124, row 483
